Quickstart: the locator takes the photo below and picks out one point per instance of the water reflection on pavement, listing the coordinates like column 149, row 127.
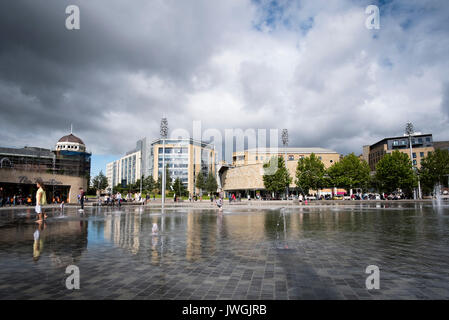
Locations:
column 309, row 252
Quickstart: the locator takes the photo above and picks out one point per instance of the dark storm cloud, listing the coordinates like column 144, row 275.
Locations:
column 230, row 64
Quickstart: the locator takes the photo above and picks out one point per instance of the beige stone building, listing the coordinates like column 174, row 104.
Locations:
column 245, row 174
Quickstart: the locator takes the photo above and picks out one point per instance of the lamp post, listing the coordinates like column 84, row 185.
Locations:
column 285, row 143
column 164, row 134
column 409, row 130
column 141, row 175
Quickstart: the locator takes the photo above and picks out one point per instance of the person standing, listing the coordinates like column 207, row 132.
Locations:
column 82, row 198
column 119, row 199
column 41, row 200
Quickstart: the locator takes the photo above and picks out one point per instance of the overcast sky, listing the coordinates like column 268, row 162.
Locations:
column 309, row 66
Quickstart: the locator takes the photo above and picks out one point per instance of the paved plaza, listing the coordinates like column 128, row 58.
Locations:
column 308, row 252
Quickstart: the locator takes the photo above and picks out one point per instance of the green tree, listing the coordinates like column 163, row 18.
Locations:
column 200, row 182
column 179, row 188
column 310, row 174
column 394, row 171
column 148, row 184
column 276, row 177
column 350, row 172
column 211, row 184
column 434, row 169
column 100, row 182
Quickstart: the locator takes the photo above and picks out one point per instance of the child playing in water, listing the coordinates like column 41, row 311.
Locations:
column 219, row 203
column 41, row 200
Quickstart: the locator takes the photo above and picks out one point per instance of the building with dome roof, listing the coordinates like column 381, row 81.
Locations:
column 64, row 169
column 71, row 142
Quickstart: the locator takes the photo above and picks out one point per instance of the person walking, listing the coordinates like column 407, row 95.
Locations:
column 82, row 198
column 41, row 200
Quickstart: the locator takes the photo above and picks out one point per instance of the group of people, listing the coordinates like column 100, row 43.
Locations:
column 115, row 198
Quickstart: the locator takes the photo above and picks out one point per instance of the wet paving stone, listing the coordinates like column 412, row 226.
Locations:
column 239, row 254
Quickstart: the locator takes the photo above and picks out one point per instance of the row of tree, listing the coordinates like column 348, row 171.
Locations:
column 394, row 171
column 149, row 185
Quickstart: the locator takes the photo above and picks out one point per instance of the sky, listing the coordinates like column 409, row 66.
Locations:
column 309, row 66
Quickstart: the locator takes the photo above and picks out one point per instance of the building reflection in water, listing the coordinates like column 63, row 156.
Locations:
column 123, row 230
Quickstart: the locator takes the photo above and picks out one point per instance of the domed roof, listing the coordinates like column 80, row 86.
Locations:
column 71, row 138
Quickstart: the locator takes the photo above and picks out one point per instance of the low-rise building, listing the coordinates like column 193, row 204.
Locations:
column 245, row 174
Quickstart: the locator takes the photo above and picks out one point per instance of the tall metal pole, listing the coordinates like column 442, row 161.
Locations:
column 409, row 131
column 141, row 175
column 164, row 134
column 163, row 172
column 285, row 143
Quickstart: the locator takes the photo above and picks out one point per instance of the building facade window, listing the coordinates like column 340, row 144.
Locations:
column 291, row 157
column 421, row 154
column 414, row 155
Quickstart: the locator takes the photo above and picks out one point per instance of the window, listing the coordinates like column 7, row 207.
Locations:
column 256, row 158
column 420, row 140
column 319, row 157
column 395, row 142
column 428, row 139
column 421, row 154
column 414, row 162
column 414, row 155
column 332, row 161
column 291, row 157
column 404, row 142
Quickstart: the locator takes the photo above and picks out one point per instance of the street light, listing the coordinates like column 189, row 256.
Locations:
column 285, row 143
column 164, row 135
column 409, row 130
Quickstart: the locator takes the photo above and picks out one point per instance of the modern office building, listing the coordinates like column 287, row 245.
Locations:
column 64, row 170
column 245, row 174
column 183, row 157
column 422, row 144
column 124, row 171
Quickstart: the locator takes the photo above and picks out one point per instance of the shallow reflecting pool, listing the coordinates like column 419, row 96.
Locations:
column 309, row 252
